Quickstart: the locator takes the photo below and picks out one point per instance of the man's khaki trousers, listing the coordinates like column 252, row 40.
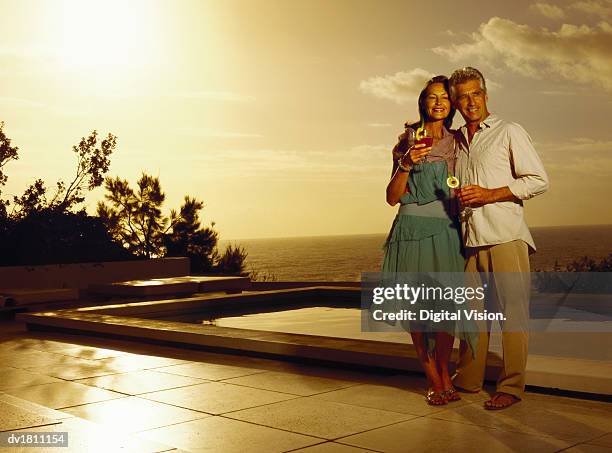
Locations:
column 509, row 294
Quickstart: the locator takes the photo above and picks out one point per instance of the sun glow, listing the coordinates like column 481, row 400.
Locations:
column 109, row 36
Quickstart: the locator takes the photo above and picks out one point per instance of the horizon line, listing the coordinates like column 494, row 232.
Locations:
column 382, row 233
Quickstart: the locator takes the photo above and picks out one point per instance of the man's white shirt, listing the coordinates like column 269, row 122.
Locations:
column 501, row 154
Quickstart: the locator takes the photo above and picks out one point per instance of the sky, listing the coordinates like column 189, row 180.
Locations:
column 281, row 115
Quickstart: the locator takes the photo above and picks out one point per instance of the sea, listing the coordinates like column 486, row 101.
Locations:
column 344, row 258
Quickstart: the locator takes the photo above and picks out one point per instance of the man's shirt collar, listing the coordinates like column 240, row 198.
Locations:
column 489, row 121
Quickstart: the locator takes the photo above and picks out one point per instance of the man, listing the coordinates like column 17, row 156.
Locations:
column 498, row 168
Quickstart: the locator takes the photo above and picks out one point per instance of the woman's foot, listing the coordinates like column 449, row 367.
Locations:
column 434, row 398
column 452, row 395
column 500, row 401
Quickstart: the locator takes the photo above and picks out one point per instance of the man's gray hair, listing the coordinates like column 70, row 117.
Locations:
column 463, row 75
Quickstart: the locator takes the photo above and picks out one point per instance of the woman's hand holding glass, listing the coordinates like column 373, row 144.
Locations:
column 416, row 154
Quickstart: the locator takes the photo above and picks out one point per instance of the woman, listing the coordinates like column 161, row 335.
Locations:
column 425, row 236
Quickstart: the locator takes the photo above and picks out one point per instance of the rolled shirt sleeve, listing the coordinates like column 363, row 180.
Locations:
column 530, row 177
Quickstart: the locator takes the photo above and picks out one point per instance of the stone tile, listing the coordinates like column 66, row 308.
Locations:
column 75, row 368
column 588, row 448
column 209, row 371
column 135, row 347
column 418, row 384
column 605, row 440
column 222, row 435
column 134, row 362
column 137, row 382
column 33, row 407
column 132, row 414
column 331, row 372
column 32, row 345
column 33, row 359
column 62, row 394
column 331, row 447
column 47, row 344
column 424, row 434
column 540, row 415
column 258, row 364
column 216, row 397
column 386, row 398
column 14, row 417
column 84, row 436
column 89, row 353
column 16, row 377
column 315, row 417
column 297, row 384
column 57, row 342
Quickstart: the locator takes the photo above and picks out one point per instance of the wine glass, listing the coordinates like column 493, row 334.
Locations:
column 466, row 211
column 423, row 138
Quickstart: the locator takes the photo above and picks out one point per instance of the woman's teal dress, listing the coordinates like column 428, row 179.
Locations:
column 425, row 237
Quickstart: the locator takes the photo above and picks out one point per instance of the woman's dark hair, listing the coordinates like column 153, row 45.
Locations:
column 448, row 121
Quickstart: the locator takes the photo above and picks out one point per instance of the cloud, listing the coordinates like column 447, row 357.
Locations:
column 579, row 156
column 206, row 132
column 601, row 9
column 492, row 85
column 21, row 103
column 379, row 124
column 399, row 87
column 365, row 150
column 226, row 96
column 201, row 95
column 548, row 10
column 579, row 144
column 576, row 53
column 558, row 92
column 364, row 162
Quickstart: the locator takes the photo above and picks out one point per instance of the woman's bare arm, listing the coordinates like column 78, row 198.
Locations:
column 398, row 185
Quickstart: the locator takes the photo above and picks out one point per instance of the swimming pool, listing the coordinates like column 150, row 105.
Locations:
column 315, row 323
column 156, row 321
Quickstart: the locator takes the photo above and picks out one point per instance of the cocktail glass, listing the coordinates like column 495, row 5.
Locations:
column 423, row 138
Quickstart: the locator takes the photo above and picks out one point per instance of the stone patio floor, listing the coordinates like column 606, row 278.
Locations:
column 112, row 395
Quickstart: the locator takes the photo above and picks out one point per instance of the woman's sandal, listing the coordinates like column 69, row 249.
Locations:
column 451, row 395
column 436, row 398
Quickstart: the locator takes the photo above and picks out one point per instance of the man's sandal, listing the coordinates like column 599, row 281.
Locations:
column 436, row 398
column 451, row 395
column 492, row 406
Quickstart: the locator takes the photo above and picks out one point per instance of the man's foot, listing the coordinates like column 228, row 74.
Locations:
column 500, row 401
column 434, row 398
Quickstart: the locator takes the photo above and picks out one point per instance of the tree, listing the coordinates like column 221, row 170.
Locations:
column 52, row 236
column 7, row 153
column 39, row 231
column 232, row 261
column 134, row 218
column 92, row 163
column 189, row 239
column 587, row 264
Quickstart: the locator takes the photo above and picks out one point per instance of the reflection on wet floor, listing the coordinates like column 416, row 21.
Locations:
column 126, row 396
